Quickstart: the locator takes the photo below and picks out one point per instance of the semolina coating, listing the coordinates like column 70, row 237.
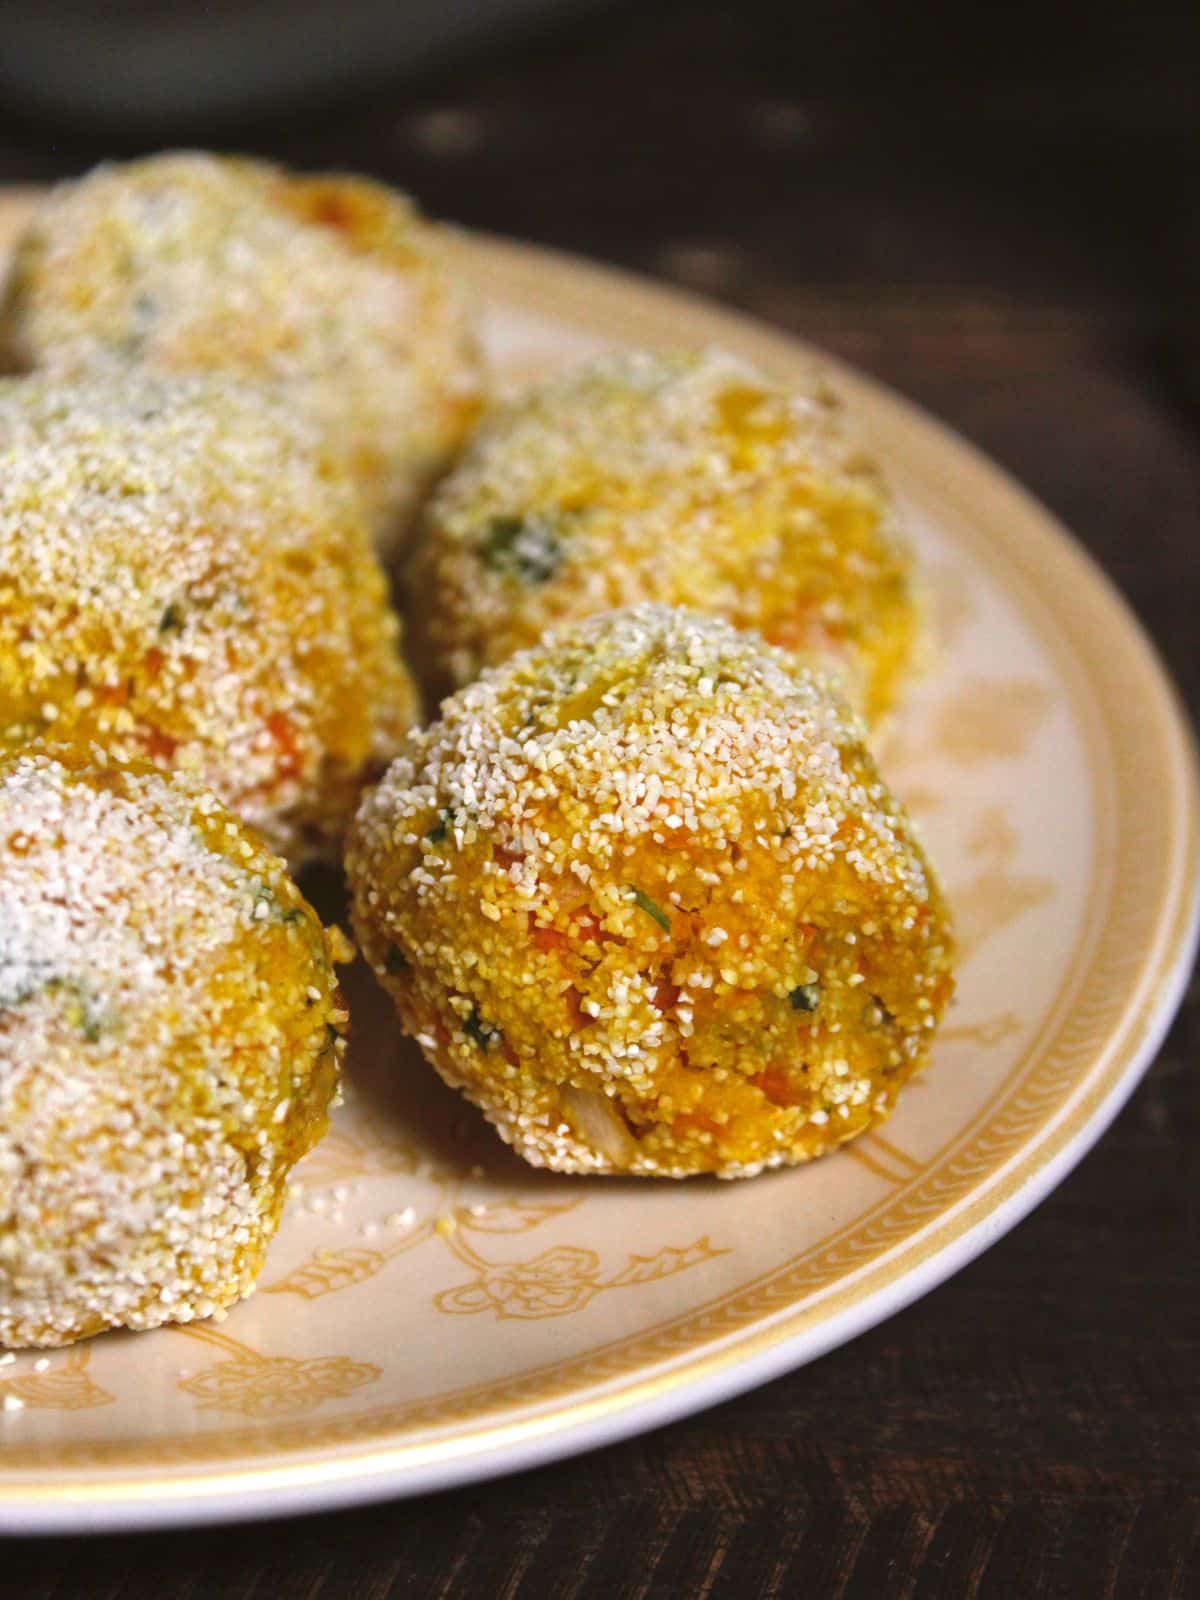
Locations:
column 334, row 287
column 690, row 479
column 171, row 1036
column 186, row 578
column 643, row 896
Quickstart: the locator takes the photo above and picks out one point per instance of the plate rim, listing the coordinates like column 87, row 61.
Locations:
column 327, row 1477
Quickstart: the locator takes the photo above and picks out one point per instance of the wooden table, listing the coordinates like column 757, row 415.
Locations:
column 995, row 226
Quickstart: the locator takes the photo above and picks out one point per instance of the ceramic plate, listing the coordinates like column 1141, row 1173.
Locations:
column 433, row 1312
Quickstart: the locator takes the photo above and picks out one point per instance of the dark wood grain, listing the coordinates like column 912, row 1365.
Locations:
column 996, row 223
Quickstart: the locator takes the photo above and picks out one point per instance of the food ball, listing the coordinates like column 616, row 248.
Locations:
column 171, row 1035
column 334, row 287
column 186, row 578
column 689, row 479
column 642, row 894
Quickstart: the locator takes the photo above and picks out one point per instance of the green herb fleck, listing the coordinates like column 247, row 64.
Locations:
column 83, row 1009
column 805, row 997
column 265, row 904
column 20, row 982
column 171, row 620
column 528, row 548
column 478, row 1031
column 644, row 903
column 293, row 914
column 878, row 1014
column 441, row 827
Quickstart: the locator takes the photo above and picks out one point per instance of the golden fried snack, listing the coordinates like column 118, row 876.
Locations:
column 642, row 894
column 171, row 1035
column 687, row 479
column 331, row 286
column 186, row 578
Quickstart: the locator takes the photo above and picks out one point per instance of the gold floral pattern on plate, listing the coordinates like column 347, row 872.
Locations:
column 255, row 1385
column 329, row 1271
column 992, row 719
column 58, row 1382
column 559, row 1281
column 996, row 895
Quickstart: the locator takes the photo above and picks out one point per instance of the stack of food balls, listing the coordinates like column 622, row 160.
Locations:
column 230, row 387
column 638, row 889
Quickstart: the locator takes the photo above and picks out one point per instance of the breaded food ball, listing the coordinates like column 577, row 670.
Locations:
column 334, row 287
column 689, row 479
column 186, row 577
column 171, row 1034
column 642, row 894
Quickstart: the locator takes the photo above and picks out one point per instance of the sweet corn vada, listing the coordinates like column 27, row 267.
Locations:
column 186, row 578
column 641, row 893
column 333, row 287
column 689, row 479
column 171, row 1035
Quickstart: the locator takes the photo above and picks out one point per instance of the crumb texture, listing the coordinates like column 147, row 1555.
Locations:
column 642, row 894
column 186, row 578
column 170, row 1042
column 333, row 287
column 688, row 479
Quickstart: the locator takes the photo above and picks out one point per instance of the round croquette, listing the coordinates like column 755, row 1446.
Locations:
column 641, row 893
column 186, row 578
column 688, row 479
column 334, row 287
column 170, row 1042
